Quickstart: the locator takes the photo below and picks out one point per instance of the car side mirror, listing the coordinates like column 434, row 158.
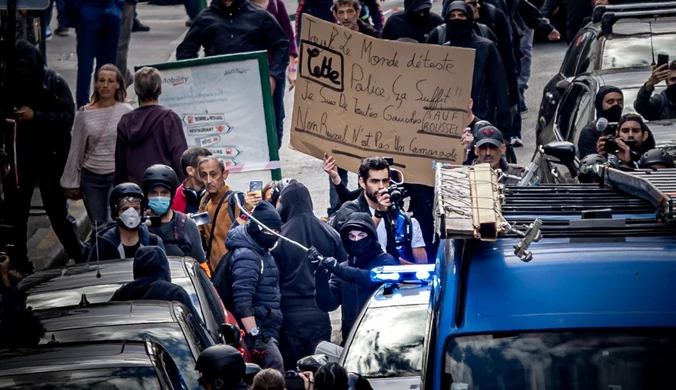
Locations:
column 250, row 372
column 231, row 335
column 312, row 363
column 562, row 85
column 332, row 351
column 564, row 152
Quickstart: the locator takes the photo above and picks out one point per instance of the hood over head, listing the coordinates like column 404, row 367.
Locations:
column 295, row 200
column 151, row 262
column 450, row 5
column 29, row 68
column 414, row 6
column 141, row 123
column 239, row 237
column 598, row 102
column 362, row 222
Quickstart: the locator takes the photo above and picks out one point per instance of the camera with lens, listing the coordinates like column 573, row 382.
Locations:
column 396, row 190
column 612, row 147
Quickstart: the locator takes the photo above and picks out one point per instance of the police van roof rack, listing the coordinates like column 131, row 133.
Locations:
column 600, row 10
column 609, row 19
column 657, row 187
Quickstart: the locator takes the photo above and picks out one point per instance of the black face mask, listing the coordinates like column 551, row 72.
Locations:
column 671, row 94
column 265, row 241
column 613, row 114
column 459, row 31
column 361, row 247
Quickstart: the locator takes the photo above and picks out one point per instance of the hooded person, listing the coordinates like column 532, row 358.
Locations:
column 490, row 89
column 608, row 103
column 632, row 139
column 415, row 21
column 151, row 134
column 304, row 326
column 43, row 112
column 349, row 284
column 247, row 279
column 152, row 280
column 127, row 234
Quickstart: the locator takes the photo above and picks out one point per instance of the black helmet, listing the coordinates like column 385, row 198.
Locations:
column 159, row 175
column 655, row 156
column 358, row 382
column 586, row 173
column 221, row 365
column 122, row 191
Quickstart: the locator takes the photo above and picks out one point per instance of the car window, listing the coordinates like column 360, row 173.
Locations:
column 579, row 47
column 583, row 115
column 388, row 342
column 173, row 375
column 565, row 116
column 127, row 378
column 213, row 300
column 635, row 51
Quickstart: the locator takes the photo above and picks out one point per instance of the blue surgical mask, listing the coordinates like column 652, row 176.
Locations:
column 159, row 204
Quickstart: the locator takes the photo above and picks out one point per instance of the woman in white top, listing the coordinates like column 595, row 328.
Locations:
column 91, row 163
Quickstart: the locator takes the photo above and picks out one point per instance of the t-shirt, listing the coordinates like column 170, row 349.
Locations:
column 130, row 251
column 191, row 235
column 382, row 232
column 417, row 240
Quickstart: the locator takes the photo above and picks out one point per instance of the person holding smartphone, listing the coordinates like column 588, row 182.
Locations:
column 663, row 105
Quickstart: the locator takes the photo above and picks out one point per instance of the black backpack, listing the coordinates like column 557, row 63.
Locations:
column 223, row 282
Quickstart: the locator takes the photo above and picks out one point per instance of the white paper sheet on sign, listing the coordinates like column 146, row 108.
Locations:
column 221, row 106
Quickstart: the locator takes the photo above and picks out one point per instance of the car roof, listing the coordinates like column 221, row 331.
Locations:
column 402, row 294
column 108, row 314
column 582, row 283
column 54, row 358
column 624, row 77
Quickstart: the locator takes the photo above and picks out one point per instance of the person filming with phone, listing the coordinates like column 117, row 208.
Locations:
column 662, row 105
column 631, row 140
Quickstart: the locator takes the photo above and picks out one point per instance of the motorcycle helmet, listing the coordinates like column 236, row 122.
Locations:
column 121, row 191
column 586, row 173
column 159, row 175
column 655, row 158
column 222, row 366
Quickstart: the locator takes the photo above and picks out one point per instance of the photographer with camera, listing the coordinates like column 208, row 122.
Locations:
column 609, row 104
column 632, row 139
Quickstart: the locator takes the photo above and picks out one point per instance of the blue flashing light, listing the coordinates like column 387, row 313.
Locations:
column 402, row 273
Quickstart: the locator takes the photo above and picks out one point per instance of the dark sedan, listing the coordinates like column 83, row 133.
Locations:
column 126, row 365
column 71, row 285
column 629, row 44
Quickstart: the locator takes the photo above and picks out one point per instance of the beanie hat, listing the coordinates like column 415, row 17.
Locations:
column 267, row 215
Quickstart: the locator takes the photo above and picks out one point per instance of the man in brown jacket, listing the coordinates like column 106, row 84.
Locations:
column 223, row 213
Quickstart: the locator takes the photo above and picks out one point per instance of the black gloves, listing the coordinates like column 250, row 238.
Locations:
column 324, row 263
column 257, row 346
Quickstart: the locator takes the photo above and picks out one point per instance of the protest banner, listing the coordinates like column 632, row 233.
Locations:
column 358, row 97
column 225, row 105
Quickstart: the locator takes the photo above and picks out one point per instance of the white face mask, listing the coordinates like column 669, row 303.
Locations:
column 130, row 219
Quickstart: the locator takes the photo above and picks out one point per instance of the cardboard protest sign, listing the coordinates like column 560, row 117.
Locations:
column 358, row 97
column 225, row 105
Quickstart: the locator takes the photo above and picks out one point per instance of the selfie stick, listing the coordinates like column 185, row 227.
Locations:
column 246, row 212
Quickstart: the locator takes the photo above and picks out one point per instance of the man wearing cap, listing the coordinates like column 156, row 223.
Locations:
column 490, row 148
column 414, row 22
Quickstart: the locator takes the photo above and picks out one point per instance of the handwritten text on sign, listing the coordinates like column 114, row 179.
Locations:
column 358, row 97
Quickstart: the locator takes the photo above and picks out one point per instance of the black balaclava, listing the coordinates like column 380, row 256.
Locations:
column 29, row 71
column 458, row 31
column 614, row 113
column 413, row 9
column 269, row 217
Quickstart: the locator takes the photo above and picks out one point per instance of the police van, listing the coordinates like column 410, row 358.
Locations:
column 554, row 287
column 386, row 342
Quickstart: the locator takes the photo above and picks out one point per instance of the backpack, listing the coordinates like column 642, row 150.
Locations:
column 222, row 280
column 441, row 34
column 178, row 240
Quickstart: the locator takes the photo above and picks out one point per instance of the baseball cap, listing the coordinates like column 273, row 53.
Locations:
column 489, row 135
column 415, row 6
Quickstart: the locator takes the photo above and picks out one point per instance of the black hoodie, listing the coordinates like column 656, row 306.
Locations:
column 152, row 280
column 147, row 136
column 353, row 288
column 408, row 24
column 589, row 134
column 47, row 135
column 243, row 27
column 296, row 280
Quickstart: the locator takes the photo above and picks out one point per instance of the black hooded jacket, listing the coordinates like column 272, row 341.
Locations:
column 353, row 288
column 589, row 134
column 255, row 282
column 152, row 280
column 47, row 135
column 490, row 90
column 407, row 24
column 296, row 280
column 242, row 27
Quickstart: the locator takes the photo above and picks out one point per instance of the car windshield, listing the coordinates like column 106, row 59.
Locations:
column 388, row 342
column 583, row 360
column 128, row 378
column 635, row 51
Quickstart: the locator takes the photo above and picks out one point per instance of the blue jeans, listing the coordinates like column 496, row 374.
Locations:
column 60, row 11
column 278, row 104
column 526, row 59
column 192, row 8
column 98, row 33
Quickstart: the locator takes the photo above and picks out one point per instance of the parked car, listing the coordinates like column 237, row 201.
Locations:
column 81, row 283
column 614, row 40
